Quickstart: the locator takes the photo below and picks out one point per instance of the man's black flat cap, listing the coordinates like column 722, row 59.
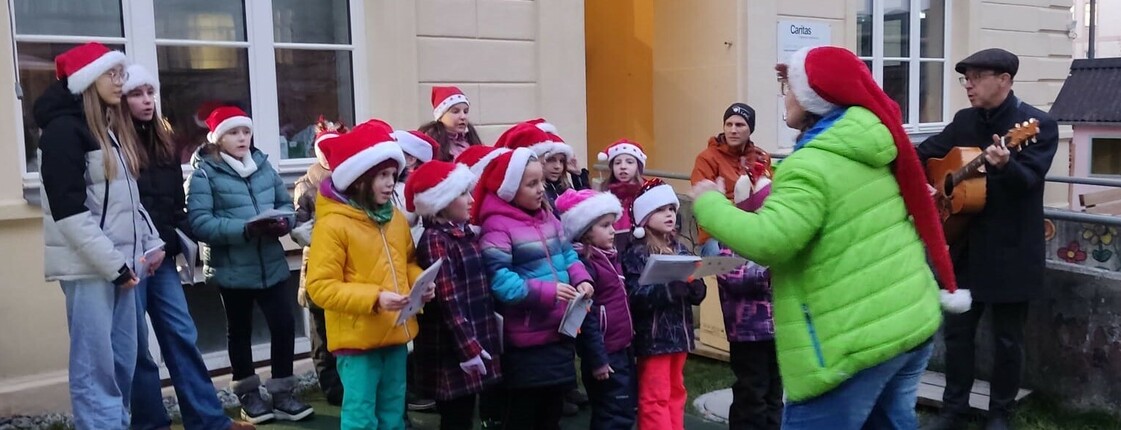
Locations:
column 995, row 59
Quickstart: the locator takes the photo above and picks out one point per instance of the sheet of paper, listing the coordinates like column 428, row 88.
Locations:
column 145, row 262
column 661, row 269
column 271, row 214
column 500, row 321
column 416, row 296
column 185, row 261
column 574, row 315
column 718, row 265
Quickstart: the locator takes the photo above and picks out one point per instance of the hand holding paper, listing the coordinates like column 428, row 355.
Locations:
column 390, row 301
column 566, row 292
column 424, row 289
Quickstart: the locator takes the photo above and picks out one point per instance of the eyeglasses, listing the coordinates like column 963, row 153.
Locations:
column 965, row 80
column 118, row 75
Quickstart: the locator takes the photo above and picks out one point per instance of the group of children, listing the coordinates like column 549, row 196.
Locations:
column 515, row 226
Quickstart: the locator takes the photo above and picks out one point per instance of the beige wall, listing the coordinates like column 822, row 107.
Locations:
column 515, row 59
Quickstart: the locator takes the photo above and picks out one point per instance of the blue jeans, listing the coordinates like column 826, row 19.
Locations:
column 101, row 318
column 880, row 397
column 161, row 295
column 710, row 248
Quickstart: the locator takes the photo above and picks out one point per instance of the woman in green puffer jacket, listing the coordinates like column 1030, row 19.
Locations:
column 846, row 233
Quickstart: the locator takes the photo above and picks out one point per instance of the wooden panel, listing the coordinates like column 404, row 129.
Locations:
column 1112, row 208
column 1099, row 197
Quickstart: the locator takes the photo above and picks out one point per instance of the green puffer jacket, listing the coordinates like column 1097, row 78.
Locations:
column 852, row 288
column 219, row 201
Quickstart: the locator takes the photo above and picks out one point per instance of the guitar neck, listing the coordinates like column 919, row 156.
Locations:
column 968, row 170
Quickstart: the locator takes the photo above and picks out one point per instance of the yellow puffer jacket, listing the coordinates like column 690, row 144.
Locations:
column 352, row 260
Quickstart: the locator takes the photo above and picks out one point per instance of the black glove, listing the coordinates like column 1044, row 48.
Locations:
column 260, row 228
column 278, row 228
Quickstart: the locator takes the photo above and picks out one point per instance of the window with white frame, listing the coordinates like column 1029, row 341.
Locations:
column 905, row 44
column 286, row 62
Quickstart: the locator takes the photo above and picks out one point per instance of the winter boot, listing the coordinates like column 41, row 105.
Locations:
column 254, row 408
column 285, row 405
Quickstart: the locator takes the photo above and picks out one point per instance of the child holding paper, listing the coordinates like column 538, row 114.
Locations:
column 361, row 272
column 458, row 345
column 607, row 360
column 533, row 273
column 663, row 314
column 233, row 183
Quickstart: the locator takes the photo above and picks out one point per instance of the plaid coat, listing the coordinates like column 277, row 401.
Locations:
column 459, row 323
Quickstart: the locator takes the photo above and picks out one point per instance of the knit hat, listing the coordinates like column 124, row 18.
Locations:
column 620, row 147
column 477, row 157
column 653, row 195
column 825, row 78
column 535, row 134
column 579, row 209
column 416, row 144
column 743, row 110
column 502, row 177
column 443, row 98
column 432, row 186
column 224, row 119
column 83, row 64
column 324, row 130
column 139, row 76
column 352, row 154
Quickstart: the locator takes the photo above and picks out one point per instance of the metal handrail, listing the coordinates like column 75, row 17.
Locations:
column 1050, row 213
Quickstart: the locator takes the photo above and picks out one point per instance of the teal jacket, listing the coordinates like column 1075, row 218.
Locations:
column 852, row 288
column 219, row 201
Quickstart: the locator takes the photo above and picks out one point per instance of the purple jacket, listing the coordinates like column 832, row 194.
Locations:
column 745, row 298
column 610, row 307
column 526, row 256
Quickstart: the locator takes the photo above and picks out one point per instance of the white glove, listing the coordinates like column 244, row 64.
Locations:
column 475, row 365
column 302, row 233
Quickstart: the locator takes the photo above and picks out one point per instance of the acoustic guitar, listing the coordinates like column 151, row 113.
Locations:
column 959, row 178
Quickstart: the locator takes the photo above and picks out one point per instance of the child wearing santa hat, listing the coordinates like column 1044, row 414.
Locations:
column 626, row 159
column 607, row 361
column 478, row 157
column 533, row 273
column 457, row 349
column 94, row 246
column 361, row 270
column 856, row 301
column 556, row 156
column 451, row 125
column 418, row 148
column 663, row 313
column 233, row 183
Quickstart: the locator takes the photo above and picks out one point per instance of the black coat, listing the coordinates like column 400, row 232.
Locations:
column 161, row 189
column 1002, row 257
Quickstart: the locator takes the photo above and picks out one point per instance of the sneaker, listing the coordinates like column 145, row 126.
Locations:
column 287, row 407
column 254, row 408
column 576, row 397
column 570, row 409
column 415, row 403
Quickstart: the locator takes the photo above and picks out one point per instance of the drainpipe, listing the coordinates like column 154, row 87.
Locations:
column 1093, row 28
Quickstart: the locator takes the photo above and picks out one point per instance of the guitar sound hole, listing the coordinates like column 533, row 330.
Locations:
column 948, row 186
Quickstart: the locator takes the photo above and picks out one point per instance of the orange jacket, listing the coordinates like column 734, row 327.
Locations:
column 720, row 160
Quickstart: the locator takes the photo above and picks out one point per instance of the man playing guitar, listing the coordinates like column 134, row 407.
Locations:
column 1001, row 256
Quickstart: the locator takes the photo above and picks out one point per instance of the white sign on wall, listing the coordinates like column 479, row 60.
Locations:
column 792, row 36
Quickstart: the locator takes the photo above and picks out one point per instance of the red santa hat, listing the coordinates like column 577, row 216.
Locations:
column 204, row 111
column 580, row 209
column 443, row 98
column 352, row 154
column 432, row 186
column 83, row 64
column 621, row 147
column 502, row 177
column 139, row 76
column 537, row 135
column 224, row 119
column 654, row 194
column 477, row 157
column 825, row 78
column 416, row 144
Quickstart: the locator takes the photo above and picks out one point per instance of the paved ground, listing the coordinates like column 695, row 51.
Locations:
column 327, row 417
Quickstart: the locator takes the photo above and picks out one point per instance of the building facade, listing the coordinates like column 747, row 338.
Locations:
column 658, row 71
